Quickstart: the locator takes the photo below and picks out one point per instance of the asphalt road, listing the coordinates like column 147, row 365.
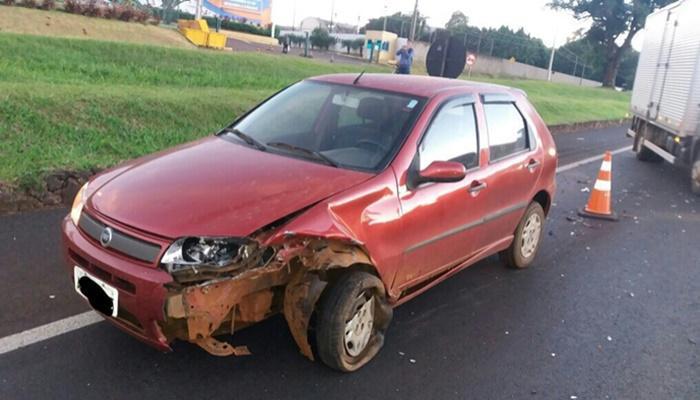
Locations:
column 609, row 310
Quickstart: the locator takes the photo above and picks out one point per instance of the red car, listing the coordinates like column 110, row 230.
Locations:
column 332, row 202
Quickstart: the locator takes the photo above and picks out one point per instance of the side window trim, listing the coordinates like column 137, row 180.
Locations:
column 505, row 98
column 461, row 99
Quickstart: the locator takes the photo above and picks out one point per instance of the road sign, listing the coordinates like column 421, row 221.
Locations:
column 471, row 59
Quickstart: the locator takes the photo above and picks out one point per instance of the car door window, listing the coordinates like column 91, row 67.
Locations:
column 452, row 136
column 507, row 130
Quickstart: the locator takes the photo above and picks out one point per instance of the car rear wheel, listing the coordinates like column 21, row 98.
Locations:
column 528, row 236
column 352, row 320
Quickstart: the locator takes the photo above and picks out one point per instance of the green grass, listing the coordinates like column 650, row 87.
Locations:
column 77, row 104
column 560, row 103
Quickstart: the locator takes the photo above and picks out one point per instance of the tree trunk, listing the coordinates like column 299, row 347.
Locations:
column 613, row 65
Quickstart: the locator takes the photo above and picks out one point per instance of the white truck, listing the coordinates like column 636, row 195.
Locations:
column 666, row 95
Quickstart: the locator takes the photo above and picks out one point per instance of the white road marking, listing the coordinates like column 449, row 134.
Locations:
column 57, row 328
column 48, row 331
column 589, row 160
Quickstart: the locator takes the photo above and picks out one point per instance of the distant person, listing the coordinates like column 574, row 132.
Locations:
column 405, row 59
column 285, row 45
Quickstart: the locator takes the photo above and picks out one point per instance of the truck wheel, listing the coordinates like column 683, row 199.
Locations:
column 695, row 178
column 352, row 319
column 646, row 155
column 528, row 236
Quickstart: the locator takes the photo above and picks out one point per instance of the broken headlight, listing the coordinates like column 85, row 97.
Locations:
column 192, row 252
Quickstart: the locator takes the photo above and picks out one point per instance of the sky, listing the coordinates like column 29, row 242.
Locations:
column 553, row 27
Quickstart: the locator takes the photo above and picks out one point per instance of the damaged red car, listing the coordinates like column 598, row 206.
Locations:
column 332, row 202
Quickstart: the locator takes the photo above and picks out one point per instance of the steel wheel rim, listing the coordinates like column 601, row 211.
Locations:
column 531, row 235
column 358, row 330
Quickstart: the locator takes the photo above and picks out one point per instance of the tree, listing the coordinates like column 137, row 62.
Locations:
column 168, row 6
column 320, row 38
column 614, row 25
column 458, row 22
column 348, row 44
column 398, row 23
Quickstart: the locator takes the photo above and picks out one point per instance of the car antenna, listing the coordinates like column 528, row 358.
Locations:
column 358, row 77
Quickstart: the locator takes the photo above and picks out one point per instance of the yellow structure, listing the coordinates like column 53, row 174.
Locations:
column 197, row 32
column 387, row 49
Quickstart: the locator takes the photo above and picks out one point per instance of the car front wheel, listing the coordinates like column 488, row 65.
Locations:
column 352, row 321
column 528, row 236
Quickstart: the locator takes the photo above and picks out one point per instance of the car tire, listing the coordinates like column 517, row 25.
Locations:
column 528, row 236
column 695, row 178
column 352, row 320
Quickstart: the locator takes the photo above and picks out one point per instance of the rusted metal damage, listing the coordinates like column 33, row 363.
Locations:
column 291, row 280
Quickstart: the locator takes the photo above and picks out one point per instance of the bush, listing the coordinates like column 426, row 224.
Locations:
column 73, row 6
column 113, row 11
column 29, row 3
column 8, row 2
column 48, row 4
column 141, row 15
column 93, row 9
column 127, row 14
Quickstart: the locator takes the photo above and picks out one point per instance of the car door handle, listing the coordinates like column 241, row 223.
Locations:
column 477, row 187
column 533, row 164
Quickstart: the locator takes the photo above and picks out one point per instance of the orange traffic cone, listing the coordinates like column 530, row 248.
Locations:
column 600, row 203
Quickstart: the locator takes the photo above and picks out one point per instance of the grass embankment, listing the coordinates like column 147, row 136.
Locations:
column 77, row 104
column 560, row 103
column 61, row 24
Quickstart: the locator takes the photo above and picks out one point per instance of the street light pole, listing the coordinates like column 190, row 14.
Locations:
column 551, row 64
column 414, row 22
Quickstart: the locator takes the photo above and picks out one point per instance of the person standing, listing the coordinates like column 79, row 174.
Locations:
column 405, row 59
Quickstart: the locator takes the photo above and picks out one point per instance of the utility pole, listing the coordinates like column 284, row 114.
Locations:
column 583, row 71
column 385, row 11
column 551, row 63
column 198, row 10
column 330, row 28
column 294, row 16
column 414, row 22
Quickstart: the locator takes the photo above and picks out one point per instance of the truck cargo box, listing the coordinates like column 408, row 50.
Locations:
column 667, row 83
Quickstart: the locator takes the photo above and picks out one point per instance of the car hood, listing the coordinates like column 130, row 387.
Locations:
column 213, row 187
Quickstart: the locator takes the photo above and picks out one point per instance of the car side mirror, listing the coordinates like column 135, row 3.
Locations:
column 443, row 171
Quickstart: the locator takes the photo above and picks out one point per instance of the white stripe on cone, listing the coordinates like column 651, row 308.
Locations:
column 603, row 186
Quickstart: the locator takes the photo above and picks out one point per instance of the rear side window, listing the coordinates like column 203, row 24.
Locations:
column 507, row 130
column 452, row 136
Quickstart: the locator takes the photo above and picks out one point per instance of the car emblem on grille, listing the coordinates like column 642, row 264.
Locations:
column 106, row 236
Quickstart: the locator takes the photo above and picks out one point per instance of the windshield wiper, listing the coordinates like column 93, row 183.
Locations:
column 247, row 138
column 315, row 154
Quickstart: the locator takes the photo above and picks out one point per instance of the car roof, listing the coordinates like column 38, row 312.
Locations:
column 415, row 85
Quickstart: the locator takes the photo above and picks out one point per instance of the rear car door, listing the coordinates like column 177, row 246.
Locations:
column 439, row 218
column 514, row 166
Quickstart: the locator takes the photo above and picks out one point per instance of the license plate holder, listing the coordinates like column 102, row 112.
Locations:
column 101, row 296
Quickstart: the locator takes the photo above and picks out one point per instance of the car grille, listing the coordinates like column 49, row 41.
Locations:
column 120, row 241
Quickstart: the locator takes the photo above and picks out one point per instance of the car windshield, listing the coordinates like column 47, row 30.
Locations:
column 338, row 125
